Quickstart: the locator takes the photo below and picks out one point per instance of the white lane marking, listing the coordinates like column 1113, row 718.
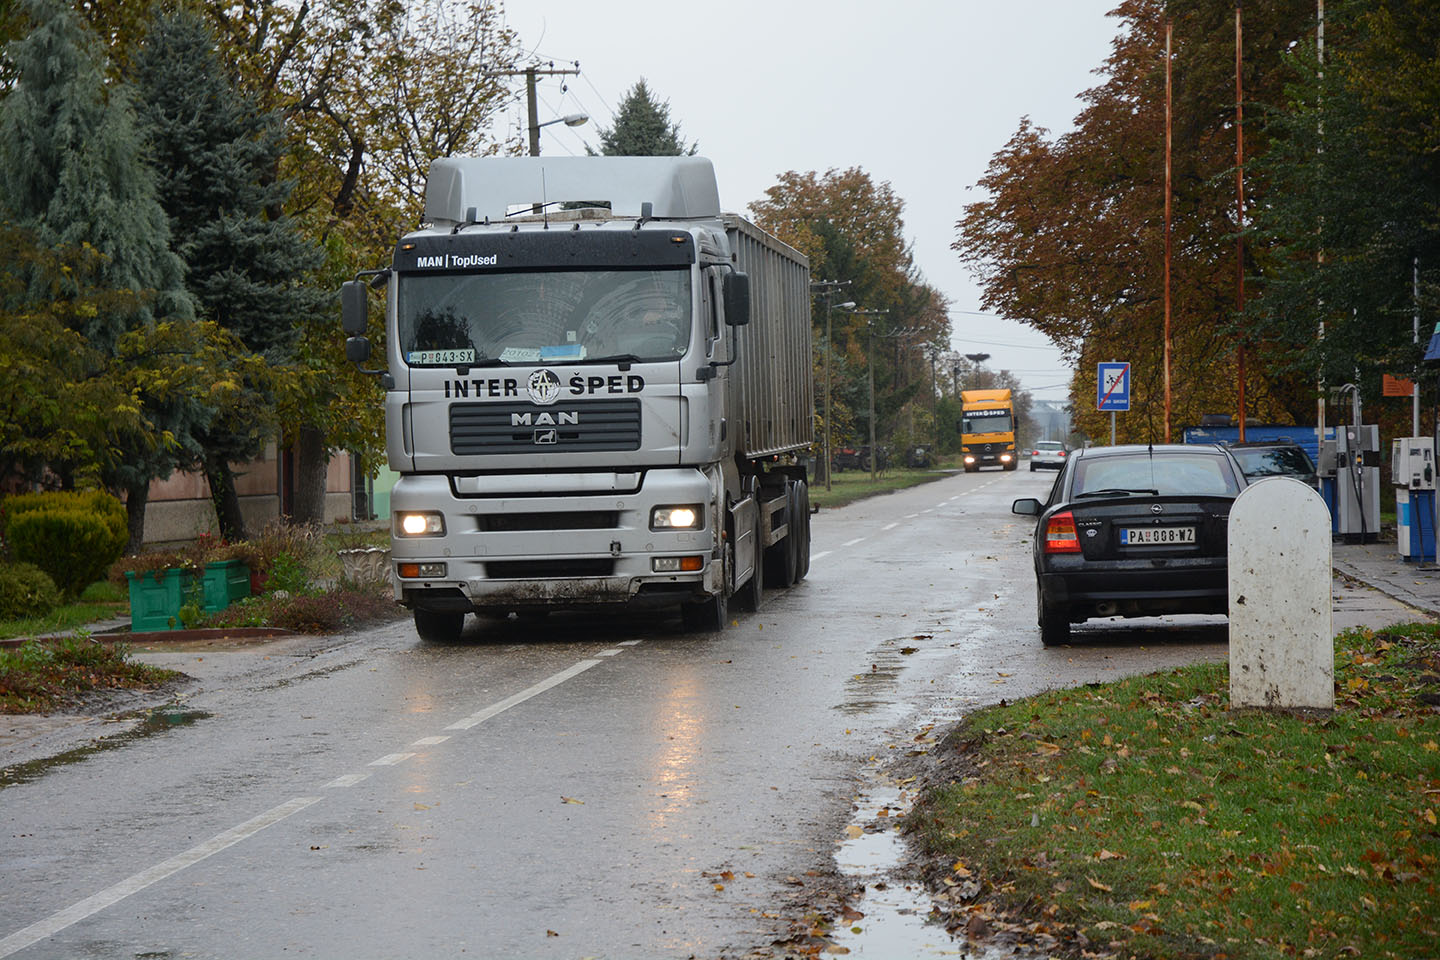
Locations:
column 480, row 716
column 911, row 516
column 851, row 543
column 928, row 510
column 349, row 780
column 429, row 741
column 891, row 526
column 609, row 653
column 817, row 556
column 391, row 759
column 956, row 497
column 630, row 643
column 110, row 896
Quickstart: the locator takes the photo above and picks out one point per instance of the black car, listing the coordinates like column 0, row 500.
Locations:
column 1133, row 532
column 1274, row 458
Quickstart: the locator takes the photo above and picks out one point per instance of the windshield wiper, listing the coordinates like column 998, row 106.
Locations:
column 1115, row 491
column 489, row 362
column 615, row 358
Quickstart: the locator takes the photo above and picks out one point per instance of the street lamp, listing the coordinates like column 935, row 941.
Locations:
column 570, row 120
column 828, row 288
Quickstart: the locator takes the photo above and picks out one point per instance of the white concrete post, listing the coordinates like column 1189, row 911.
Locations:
column 1282, row 653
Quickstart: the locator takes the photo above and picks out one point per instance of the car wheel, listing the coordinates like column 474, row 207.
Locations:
column 439, row 627
column 1054, row 624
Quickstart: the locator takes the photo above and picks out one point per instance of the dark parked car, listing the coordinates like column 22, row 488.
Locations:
column 1274, row 458
column 1133, row 532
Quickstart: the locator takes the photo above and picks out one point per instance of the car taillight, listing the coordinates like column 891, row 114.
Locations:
column 1060, row 536
column 1034, row 453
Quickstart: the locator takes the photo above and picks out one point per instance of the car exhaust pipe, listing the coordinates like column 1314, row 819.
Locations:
column 1107, row 609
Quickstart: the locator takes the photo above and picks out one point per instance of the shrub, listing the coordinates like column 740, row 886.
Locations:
column 97, row 502
column 75, row 547
column 26, row 591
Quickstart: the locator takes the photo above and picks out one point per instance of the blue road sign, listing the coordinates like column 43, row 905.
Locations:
column 1112, row 387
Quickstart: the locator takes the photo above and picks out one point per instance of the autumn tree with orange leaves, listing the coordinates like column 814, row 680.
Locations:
column 1070, row 237
column 851, row 228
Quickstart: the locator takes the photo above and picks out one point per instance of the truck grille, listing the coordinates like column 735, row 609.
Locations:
column 580, row 520
column 549, row 569
column 479, row 428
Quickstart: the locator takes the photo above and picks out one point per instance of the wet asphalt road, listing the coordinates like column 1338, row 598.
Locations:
column 572, row 787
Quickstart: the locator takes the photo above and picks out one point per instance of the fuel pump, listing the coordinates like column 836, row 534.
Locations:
column 1357, row 476
column 1412, row 473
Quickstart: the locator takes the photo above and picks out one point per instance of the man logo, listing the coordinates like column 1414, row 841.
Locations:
column 547, row 436
column 543, row 387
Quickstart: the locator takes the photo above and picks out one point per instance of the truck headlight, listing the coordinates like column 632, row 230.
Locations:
column 419, row 525
column 688, row 516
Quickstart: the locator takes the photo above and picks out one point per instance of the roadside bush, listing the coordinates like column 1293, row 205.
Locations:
column 74, row 546
column 26, row 591
column 97, row 502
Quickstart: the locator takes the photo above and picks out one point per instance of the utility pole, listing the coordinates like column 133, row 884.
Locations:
column 532, row 112
column 828, row 288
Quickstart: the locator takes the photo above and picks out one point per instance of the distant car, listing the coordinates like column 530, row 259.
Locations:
column 1268, row 458
column 1049, row 454
column 1133, row 532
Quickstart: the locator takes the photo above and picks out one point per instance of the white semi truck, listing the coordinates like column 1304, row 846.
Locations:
column 598, row 391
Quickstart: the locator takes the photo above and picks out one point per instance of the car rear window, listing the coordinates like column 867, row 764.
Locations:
column 1174, row 474
column 1274, row 462
column 1049, row 445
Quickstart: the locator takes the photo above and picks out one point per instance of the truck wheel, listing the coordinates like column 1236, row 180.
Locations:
column 802, row 543
column 438, row 627
column 710, row 615
column 780, row 559
column 750, row 594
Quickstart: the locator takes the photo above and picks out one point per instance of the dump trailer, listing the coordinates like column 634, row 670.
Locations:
column 987, row 430
column 598, row 391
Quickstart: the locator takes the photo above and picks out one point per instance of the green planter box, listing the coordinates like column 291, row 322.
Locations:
column 156, row 598
column 225, row 581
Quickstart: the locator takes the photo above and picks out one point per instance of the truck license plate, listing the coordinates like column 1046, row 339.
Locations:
column 1134, row 536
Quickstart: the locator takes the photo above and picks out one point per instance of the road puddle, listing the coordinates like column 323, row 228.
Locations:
column 126, row 729
column 896, row 913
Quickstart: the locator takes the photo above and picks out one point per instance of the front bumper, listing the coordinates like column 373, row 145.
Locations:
column 552, row 539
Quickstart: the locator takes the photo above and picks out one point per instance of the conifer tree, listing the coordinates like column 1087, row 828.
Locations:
column 643, row 129
column 71, row 173
column 216, row 154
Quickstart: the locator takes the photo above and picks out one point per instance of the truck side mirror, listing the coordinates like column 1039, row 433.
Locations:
column 736, row 292
column 357, row 349
column 354, row 308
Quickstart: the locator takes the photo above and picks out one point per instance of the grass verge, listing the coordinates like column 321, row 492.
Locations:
column 850, row 486
column 99, row 601
column 40, row 677
column 1143, row 818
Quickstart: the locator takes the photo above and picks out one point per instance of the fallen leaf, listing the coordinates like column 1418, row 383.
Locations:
column 1110, row 855
column 1098, row 885
column 551, row 933
column 421, row 806
column 719, row 886
column 572, row 800
column 854, row 831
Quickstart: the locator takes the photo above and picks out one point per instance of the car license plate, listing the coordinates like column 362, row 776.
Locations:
column 1135, row 536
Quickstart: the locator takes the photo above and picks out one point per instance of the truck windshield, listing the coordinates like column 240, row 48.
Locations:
column 544, row 317
column 986, row 421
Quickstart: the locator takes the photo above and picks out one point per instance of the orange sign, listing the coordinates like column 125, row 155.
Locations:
column 1396, row 386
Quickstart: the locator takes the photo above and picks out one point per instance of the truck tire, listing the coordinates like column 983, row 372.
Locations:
column 802, row 543
column 709, row 615
column 750, row 595
column 436, row 627
column 780, row 556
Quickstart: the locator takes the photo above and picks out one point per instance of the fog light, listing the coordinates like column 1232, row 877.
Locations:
column 419, row 525
column 677, row 564
column 421, row 571
column 682, row 517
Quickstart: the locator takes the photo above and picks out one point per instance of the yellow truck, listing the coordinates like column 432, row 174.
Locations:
column 987, row 429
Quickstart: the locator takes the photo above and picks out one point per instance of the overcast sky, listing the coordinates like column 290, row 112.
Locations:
column 917, row 93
